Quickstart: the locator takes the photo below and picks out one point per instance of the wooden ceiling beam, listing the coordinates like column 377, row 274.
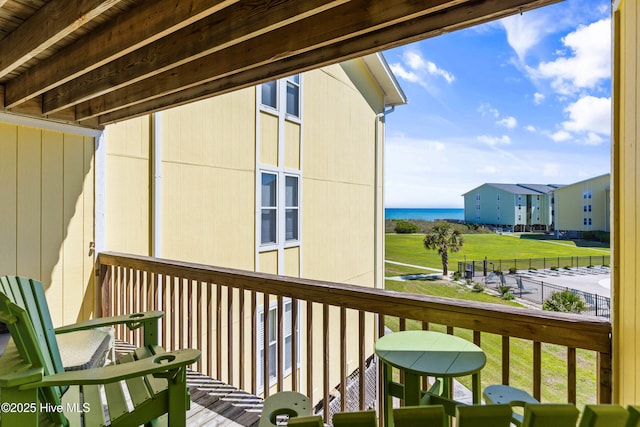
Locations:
column 320, row 30
column 274, row 55
column 230, row 26
column 146, row 23
column 51, row 23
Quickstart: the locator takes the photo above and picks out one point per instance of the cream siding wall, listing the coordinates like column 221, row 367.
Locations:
column 128, row 191
column 626, row 202
column 570, row 202
column 46, row 185
column 208, row 179
column 341, row 215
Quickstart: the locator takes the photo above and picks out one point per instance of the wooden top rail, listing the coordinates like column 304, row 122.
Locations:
column 542, row 326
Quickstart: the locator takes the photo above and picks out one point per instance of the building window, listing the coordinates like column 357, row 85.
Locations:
column 292, row 208
column 519, row 217
column 273, row 98
column 586, row 208
column 293, row 95
column 269, row 209
column 587, row 194
column 498, row 197
column 273, row 342
column 586, row 221
column 270, row 94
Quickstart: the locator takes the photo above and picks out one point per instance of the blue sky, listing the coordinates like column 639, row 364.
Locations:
column 526, row 99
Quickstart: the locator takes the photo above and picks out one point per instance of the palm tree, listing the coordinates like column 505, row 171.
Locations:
column 444, row 238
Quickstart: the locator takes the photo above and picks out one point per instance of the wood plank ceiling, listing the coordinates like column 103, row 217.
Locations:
column 94, row 62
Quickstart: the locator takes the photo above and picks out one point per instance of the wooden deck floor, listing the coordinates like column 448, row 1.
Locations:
column 214, row 403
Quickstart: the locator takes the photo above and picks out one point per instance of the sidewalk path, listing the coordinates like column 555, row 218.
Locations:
column 414, row 266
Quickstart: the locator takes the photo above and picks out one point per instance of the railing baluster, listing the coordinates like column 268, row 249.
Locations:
column 180, row 319
column 505, row 360
column 265, row 341
column 537, row 370
column 325, row 361
column 310, row 351
column 571, row 375
column 199, row 331
column 294, row 345
column 190, row 314
column 230, row 335
column 402, row 324
column 254, row 343
column 172, row 311
column 361, row 359
column 165, row 290
column 280, row 344
column 218, row 331
column 343, row 358
column 241, row 355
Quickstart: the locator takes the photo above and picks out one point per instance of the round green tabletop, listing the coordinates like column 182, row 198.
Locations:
column 430, row 353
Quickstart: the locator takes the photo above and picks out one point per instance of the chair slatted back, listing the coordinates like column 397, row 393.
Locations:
column 36, row 342
column 25, row 339
column 29, row 295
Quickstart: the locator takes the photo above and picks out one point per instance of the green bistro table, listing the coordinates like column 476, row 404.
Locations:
column 420, row 353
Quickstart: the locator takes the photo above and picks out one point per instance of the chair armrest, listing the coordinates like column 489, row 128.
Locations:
column 133, row 321
column 159, row 364
column 20, row 377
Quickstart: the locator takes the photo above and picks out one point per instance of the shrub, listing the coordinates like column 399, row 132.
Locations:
column 512, row 270
column 456, row 275
column 405, row 227
column 553, row 268
column 478, row 287
column 508, row 296
column 567, row 267
column 533, row 269
column 565, row 302
column 503, row 290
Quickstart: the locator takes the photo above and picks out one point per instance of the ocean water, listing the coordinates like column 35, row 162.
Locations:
column 423, row 214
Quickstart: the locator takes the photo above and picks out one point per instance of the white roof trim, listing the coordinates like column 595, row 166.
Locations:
column 377, row 65
column 19, row 120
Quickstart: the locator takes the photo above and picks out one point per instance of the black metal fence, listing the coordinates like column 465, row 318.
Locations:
column 538, row 292
column 470, row 269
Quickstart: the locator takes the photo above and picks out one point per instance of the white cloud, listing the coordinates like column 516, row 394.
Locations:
column 561, row 136
column 538, row 98
column 495, row 140
column 415, row 69
column 488, row 110
column 589, row 114
column 508, row 122
column 524, row 31
column 530, row 128
column 588, row 65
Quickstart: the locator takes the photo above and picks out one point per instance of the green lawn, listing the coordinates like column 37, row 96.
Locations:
column 554, row 365
column 408, row 248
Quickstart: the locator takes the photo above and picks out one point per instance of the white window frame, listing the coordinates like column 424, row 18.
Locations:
column 275, row 208
column 286, row 207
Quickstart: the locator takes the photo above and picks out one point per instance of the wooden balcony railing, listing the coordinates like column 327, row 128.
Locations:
column 216, row 310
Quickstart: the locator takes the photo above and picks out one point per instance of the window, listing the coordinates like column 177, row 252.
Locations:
column 273, row 97
column 270, row 94
column 291, row 208
column 586, row 194
column 498, row 197
column 586, row 208
column 293, row 95
column 586, row 221
column 273, row 341
column 269, row 211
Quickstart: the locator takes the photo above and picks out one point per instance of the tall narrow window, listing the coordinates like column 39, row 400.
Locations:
column 273, row 341
column 269, row 215
column 291, row 208
column 270, row 94
column 293, row 95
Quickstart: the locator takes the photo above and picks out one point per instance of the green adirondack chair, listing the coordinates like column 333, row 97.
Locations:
column 35, row 389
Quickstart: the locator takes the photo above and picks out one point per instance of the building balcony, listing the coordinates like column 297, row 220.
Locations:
column 328, row 331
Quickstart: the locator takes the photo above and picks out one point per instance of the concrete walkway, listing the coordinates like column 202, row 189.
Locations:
column 413, row 266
